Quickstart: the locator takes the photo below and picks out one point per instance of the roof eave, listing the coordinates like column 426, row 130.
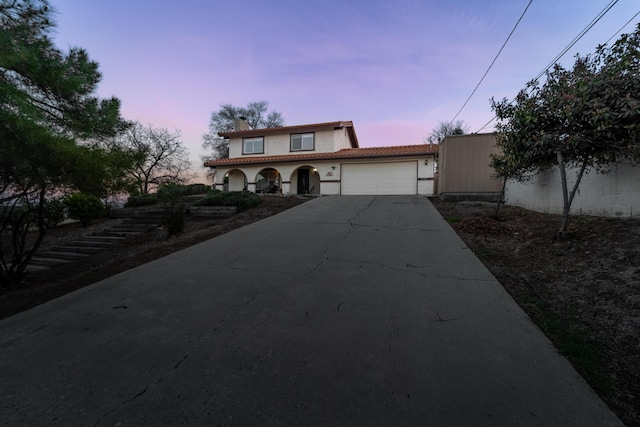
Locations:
column 288, row 159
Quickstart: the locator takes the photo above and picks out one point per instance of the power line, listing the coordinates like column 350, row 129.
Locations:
column 573, row 42
column 578, row 37
column 487, row 124
column 493, row 62
column 622, row 28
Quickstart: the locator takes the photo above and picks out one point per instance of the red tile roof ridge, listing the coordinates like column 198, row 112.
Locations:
column 391, row 147
column 368, row 152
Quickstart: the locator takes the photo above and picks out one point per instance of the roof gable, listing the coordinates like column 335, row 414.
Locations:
column 315, row 127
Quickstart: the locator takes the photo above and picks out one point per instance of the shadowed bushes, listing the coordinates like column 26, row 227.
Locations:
column 241, row 199
column 84, row 207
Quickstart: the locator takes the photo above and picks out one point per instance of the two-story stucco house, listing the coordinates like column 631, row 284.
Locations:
column 321, row 158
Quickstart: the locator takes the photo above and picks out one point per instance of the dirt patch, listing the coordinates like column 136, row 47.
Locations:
column 582, row 290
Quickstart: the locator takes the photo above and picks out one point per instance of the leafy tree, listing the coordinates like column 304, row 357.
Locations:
column 444, row 129
column 46, row 105
column 84, row 207
column 584, row 118
column 160, row 157
column 224, row 120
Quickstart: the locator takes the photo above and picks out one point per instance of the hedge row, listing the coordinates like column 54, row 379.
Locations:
column 165, row 193
column 240, row 199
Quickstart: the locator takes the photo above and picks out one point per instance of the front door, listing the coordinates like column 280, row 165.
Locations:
column 303, row 181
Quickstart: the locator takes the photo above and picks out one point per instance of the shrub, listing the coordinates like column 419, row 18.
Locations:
column 183, row 190
column 196, row 189
column 84, row 207
column 174, row 218
column 141, row 200
column 54, row 213
column 241, row 199
column 170, row 193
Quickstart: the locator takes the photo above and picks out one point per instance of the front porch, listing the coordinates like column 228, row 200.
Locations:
column 303, row 180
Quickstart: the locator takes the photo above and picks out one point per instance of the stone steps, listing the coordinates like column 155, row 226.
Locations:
column 92, row 243
column 48, row 262
column 84, row 246
column 119, row 233
column 130, row 222
column 63, row 255
column 77, row 249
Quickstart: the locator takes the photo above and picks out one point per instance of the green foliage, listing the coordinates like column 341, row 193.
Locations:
column 175, row 190
column 193, row 189
column 84, row 207
column 18, row 218
column 166, row 193
column 54, row 213
column 241, row 199
column 142, row 200
column 586, row 117
column 47, row 102
column 170, row 193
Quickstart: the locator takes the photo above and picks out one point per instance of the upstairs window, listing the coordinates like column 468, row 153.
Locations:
column 253, row 145
column 302, row 142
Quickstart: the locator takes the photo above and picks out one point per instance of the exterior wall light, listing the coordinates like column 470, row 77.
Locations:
column 426, row 162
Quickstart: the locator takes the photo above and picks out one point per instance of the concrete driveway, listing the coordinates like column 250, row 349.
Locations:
column 342, row 311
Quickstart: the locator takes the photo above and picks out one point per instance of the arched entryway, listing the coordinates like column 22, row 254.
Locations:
column 268, row 180
column 235, row 180
column 305, row 180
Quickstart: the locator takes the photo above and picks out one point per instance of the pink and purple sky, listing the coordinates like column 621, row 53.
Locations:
column 394, row 67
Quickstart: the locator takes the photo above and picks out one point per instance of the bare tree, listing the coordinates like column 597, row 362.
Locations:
column 223, row 121
column 444, row 129
column 161, row 157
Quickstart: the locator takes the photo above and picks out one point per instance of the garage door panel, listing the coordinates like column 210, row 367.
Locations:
column 379, row 178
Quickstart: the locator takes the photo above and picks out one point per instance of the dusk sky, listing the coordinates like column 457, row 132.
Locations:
column 394, row 67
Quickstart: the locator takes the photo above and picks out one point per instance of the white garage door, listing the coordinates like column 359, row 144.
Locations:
column 380, row 178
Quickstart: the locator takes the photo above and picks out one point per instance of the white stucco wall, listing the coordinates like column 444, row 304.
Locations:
column 328, row 175
column 276, row 145
column 612, row 194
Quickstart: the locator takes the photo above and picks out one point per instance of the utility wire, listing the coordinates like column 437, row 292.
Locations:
column 487, row 124
column 492, row 62
column 622, row 28
column 578, row 37
column 573, row 42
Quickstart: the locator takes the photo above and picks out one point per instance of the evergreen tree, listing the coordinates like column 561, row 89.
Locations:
column 47, row 104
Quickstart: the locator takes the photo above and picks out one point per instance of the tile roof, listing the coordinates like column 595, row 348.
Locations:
column 345, row 154
column 295, row 129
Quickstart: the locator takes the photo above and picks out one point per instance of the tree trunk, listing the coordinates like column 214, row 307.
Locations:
column 501, row 198
column 23, row 263
column 567, row 197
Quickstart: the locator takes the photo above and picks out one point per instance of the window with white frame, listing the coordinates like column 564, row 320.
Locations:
column 302, row 142
column 253, row 145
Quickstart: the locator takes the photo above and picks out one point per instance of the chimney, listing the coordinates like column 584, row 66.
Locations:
column 241, row 124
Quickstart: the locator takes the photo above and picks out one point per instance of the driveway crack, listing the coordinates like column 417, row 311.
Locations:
column 140, row 393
